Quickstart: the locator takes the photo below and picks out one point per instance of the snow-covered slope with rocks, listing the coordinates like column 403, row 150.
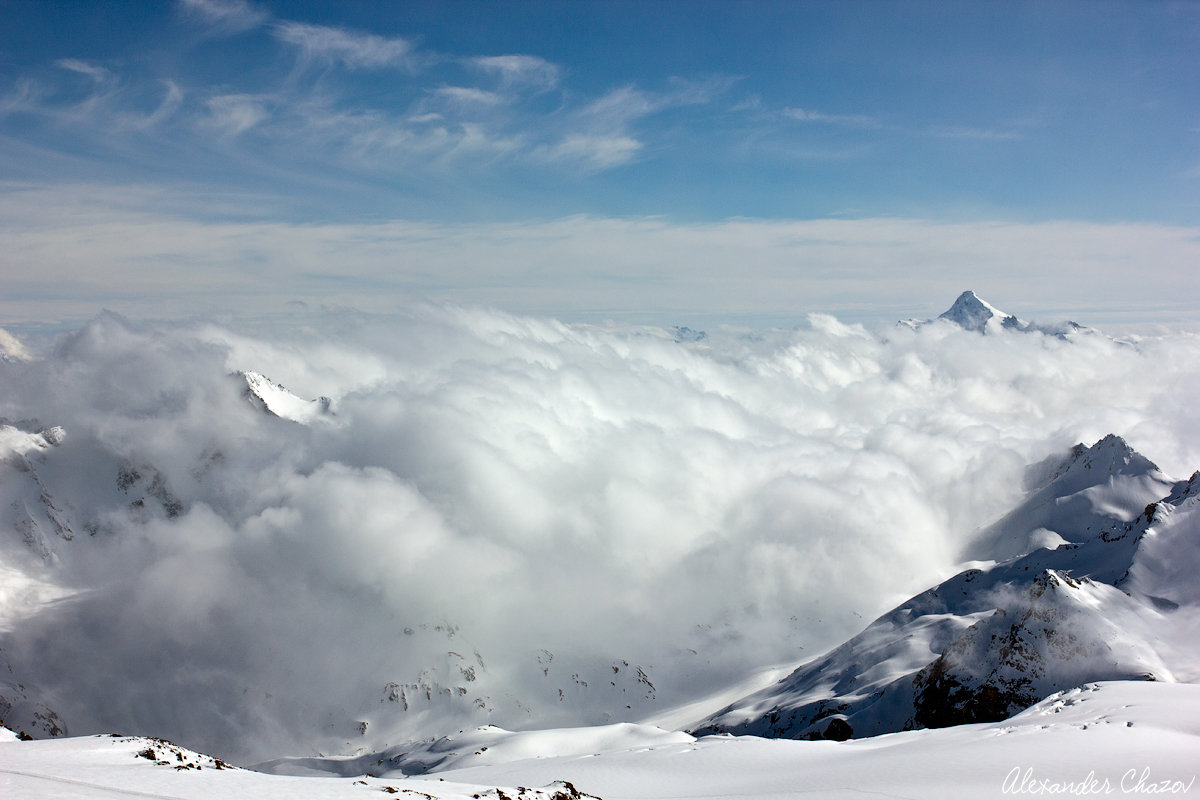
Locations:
column 132, row 766
column 1120, row 739
column 1000, row 636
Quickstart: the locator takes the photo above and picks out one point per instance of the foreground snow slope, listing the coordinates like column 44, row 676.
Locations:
column 108, row 766
column 1123, row 739
column 1132, row 735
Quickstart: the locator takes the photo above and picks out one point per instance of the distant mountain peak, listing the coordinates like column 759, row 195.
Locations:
column 975, row 314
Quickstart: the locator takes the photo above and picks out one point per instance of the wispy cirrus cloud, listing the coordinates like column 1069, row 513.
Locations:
column 594, row 151
column 225, row 16
column 102, row 100
column 869, row 122
column 624, row 104
column 234, row 114
column 352, row 49
column 810, row 115
column 436, row 116
column 170, row 104
column 468, row 95
column 96, row 73
column 521, row 70
column 24, row 94
column 600, row 135
column 621, row 106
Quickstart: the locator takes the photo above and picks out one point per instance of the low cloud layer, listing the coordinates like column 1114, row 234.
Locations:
column 515, row 507
column 149, row 253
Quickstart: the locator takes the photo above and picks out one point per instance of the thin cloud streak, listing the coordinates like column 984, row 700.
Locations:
column 520, row 69
column 352, row 49
column 852, row 120
column 600, row 135
column 234, row 114
column 98, row 74
column 225, row 16
column 171, row 103
column 467, row 95
column 597, row 152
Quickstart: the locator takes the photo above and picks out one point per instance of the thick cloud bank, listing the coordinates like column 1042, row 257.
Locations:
column 505, row 519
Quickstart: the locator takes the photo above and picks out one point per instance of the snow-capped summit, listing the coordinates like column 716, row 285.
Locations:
column 974, row 314
column 274, row 399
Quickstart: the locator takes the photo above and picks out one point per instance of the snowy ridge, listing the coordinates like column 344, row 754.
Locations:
column 1071, row 500
column 30, row 508
column 993, row 640
column 17, row 442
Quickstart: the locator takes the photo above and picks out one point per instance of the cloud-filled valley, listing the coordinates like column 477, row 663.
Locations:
column 507, row 519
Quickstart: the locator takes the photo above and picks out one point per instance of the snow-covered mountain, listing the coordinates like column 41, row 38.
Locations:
column 1083, row 593
column 972, row 313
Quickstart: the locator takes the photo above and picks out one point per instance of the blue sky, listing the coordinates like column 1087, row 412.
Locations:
column 246, row 122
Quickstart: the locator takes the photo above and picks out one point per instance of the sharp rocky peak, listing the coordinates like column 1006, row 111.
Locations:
column 973, row 313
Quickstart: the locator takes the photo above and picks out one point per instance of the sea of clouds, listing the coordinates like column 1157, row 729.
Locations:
column 544, row 501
